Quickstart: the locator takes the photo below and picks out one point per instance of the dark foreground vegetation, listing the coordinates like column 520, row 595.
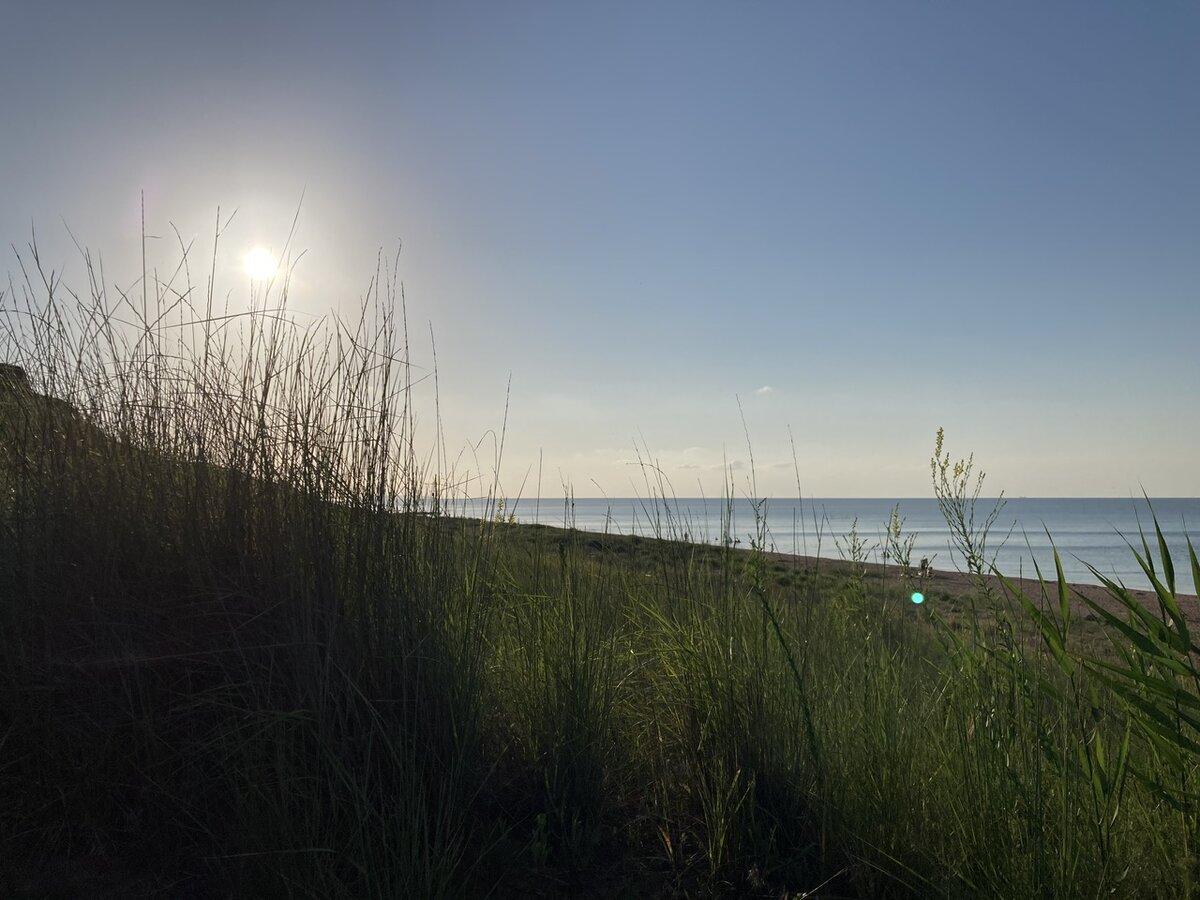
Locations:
column 243, row 654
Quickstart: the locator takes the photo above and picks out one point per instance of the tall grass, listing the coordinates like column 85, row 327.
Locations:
column 229, row 619
column 244, row 652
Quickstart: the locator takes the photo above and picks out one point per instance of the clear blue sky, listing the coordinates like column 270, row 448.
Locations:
column 865, row 220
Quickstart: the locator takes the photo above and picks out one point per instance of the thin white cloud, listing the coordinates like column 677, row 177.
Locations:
column 765, row 389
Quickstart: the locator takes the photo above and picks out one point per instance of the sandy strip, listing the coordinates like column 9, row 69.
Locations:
column 958, row 584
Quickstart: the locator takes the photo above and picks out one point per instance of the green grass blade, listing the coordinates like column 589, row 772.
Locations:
column 1164, row 554
column 1166, row 599
column 1195, row 565
column 1156, row 719
column 1152, row 624
column 1064, row 591
column 1160, row 686
column 1138, row 639
column 1149, row 557
column 1050, row 633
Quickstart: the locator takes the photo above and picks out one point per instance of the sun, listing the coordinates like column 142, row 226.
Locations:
column 260, row 264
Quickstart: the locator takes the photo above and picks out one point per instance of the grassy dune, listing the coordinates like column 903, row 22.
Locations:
column 242, row 653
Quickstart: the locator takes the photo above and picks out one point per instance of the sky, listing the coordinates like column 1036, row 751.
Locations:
column 668, row 234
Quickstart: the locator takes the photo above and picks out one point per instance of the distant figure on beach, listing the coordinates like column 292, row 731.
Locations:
column 925, row 569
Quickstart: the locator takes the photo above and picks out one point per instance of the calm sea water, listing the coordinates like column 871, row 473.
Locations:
column 1084, row 530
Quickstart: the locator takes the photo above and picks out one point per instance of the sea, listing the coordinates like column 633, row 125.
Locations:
column 1089, row 533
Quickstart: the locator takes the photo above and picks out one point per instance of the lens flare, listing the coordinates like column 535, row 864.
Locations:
column 918, row 597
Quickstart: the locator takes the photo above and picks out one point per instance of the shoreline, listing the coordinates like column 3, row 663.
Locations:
column 960, row 585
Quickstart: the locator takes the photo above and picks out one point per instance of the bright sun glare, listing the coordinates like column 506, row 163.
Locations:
column 260, row 264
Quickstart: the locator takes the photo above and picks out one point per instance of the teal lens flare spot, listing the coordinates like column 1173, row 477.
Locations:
column 918, row 597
